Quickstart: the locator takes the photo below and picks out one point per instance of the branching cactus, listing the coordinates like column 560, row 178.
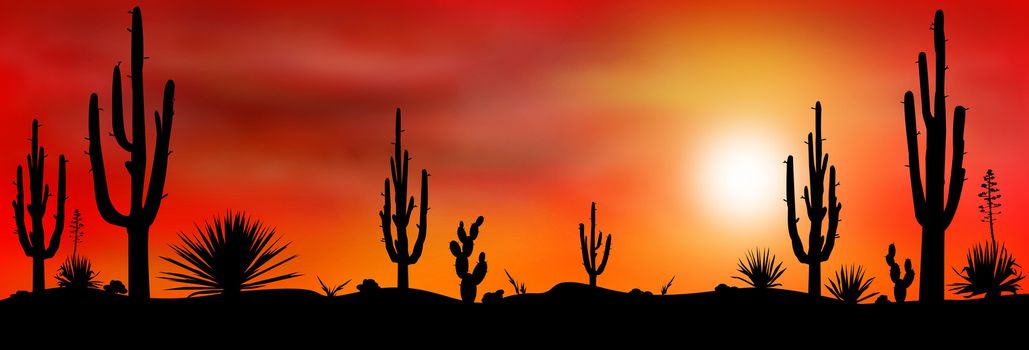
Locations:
column 397, row 248
column 462, row 251
column 932, row 211
column 900, row 285
column 144, row 198
column 33, row 241
column 589, row 249
column 819, row 246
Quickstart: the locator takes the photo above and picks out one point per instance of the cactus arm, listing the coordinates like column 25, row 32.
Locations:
column 584, row 249
column 55, row 238
column 834, row 217
column 607, row 252
column 914, row 168
column 957, row 172
column 19, row 215
column 387, row 233
column 117, row 111
column 791, row 214
column 159, row 173
column 101, row 191
column 479, row 273
column 416, row 251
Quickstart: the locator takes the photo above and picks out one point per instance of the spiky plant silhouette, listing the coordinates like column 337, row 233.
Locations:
column 519, row 288
column 664, row 288
column 850, row 285
column 76, row 272
column 331, row 292
column 761, row 269
column 989, row 270
column 228, row 256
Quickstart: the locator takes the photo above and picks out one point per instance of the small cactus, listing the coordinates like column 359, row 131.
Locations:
column 463, row 250
column 589, row 249
column 900, row 285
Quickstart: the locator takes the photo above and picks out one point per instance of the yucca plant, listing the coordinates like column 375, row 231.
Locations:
column 228, row 256
column 850, row 285
column 76, row 272
column 761, row 269
column 331, row 292
column 519, row 288
column 989, row 270
column 664, row 288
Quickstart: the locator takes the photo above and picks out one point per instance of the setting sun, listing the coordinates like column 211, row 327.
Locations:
column 746, row 164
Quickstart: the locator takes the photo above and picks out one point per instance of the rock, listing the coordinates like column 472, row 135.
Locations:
column 493, row 297
column 367, row 286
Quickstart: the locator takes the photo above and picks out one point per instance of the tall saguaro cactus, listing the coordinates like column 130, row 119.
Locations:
column 32, row 242
column 462, row 251
column 589, row 252
column 398, row 248
column 933, row 212
column 142, row 208
column 819, row 246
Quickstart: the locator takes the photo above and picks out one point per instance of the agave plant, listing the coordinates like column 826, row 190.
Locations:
column 229, row 256
column 331, row 292
column 990, row 271
column 761, row 269
column 76, row 272
column 850, row 285
column 664, row 288
column 519, row 288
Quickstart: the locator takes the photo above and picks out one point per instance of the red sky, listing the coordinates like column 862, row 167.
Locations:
column 675, row 117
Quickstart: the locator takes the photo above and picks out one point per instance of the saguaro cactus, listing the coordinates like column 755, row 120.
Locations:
column 589, row 252
column 32, row 242
column 900, row 285
column 469, row 281
column 933, row 212
column 819, row 246
column 142, row 209
column 398, row 248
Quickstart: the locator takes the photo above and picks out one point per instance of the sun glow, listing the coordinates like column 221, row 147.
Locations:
column 742, row 177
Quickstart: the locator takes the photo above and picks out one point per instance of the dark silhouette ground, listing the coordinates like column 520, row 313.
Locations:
column 568, row 312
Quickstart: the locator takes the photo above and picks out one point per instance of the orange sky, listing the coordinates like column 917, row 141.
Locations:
column 674, row 117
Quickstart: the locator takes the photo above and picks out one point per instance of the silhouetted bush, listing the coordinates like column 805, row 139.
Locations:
column 115, row 287
column 493, row 297
column 227, row 257
column 368, row 286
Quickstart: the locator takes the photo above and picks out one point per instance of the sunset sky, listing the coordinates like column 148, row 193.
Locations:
column 674, row 117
